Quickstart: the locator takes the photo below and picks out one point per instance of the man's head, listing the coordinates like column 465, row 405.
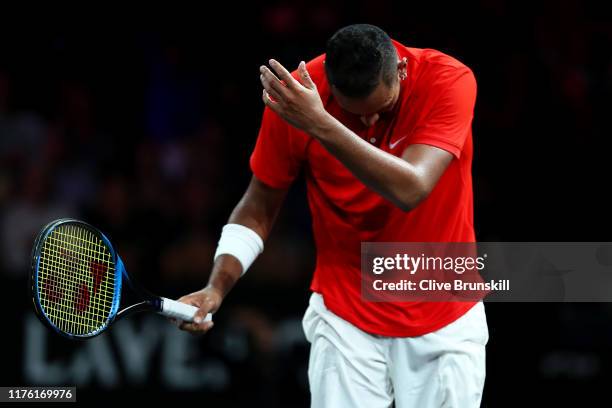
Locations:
column 364, row 71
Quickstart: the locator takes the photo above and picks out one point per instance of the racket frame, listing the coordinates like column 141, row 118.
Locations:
column 119, row 271
column 148, row 302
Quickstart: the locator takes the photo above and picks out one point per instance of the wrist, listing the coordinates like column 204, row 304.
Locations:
column 216, row 292
column 223, row 277
column 321, row 127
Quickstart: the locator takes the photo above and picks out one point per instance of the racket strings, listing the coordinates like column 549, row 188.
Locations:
column 76, row 280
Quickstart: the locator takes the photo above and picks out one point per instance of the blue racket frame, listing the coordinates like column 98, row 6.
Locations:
column 120, row 273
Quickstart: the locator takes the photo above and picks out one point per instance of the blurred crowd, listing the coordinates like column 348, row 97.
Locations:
column 146, row 134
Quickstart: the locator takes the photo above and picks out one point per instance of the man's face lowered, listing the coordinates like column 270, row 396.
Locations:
column 381, row 100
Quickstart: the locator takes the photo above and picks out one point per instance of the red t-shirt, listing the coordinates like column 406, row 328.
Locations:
column 435, row 108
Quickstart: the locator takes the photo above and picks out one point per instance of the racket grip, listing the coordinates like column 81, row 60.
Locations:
column 180, row 311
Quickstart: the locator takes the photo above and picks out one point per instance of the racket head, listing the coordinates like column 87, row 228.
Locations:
column 76, row 279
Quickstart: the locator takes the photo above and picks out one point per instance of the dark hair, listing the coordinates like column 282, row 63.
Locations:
column 358, row 57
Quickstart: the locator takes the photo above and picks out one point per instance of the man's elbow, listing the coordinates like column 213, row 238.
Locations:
column 409, row 199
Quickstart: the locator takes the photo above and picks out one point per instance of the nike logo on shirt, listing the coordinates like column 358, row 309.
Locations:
column 392, row 145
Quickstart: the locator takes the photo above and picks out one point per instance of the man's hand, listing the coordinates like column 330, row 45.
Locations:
column 297, row 103
column 207, row 300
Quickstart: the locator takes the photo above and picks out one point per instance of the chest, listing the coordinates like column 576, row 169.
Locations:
column 390, row 134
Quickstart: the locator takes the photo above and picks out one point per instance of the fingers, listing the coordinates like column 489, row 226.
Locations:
column 272, row 84
column 196, row 328
column 202, row 315
column 283, row 74
column 207, row 301
column 270, row 91
column 189, row 300
column 200, row 324
column 305, row 76
column 269, row 102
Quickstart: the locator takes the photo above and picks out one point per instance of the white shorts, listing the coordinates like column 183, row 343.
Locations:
column 351, row 368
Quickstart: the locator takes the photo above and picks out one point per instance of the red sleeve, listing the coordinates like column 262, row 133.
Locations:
column 449, row 121
column 274, row 160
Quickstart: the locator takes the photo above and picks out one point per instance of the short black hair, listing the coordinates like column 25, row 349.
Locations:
column 358, row 57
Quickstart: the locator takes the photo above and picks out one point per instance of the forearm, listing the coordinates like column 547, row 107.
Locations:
column 227, row 269
column 392, row 177
column 256, row 210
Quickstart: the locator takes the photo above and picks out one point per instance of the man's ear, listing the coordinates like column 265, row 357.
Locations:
column 402, row 68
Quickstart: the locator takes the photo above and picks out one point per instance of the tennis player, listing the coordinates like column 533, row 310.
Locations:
column 383, row 134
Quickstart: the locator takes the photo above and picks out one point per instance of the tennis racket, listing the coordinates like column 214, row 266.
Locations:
column 78, row 282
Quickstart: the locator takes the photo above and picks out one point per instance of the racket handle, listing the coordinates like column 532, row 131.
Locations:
column 180, row 311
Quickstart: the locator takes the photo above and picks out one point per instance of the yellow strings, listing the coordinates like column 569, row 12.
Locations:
column 67, row 266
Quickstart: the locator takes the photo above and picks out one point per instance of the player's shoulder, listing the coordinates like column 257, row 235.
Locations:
column 433, row 72
column 441, row 60
column 435, row 69
column 430, row 60
column 437, row 66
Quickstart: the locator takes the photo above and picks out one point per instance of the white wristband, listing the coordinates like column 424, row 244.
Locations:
column 241, row 242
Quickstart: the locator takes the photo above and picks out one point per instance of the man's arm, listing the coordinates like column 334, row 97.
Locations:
column 405, row 181
column 256, row 210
